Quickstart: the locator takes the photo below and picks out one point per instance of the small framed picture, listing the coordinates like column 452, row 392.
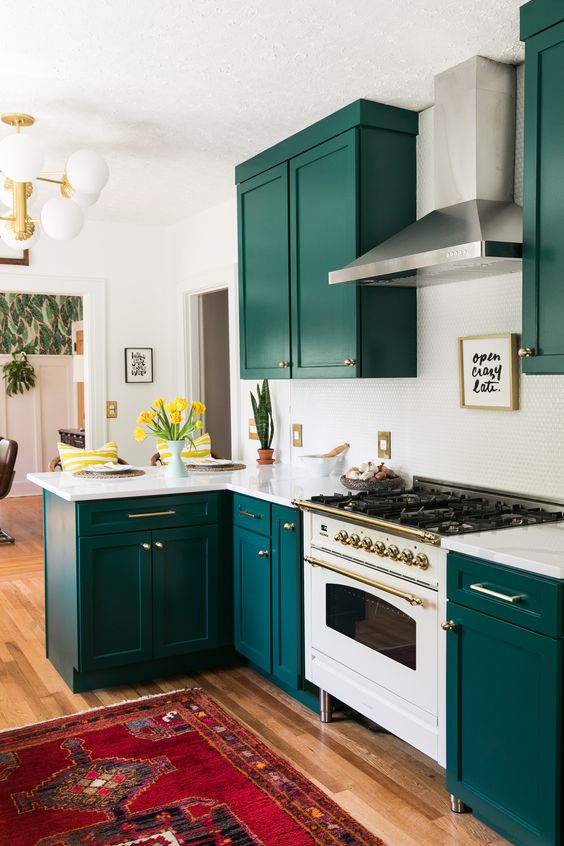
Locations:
column 489, row 374
column 138, row 364
column 17, row 257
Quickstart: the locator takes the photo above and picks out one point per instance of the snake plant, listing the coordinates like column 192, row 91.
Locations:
column 19, row 374
column 262, row 411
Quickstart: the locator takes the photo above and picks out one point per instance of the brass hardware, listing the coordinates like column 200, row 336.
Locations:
column 379, row 548
column 525, row 352
column 297, row 437
column 384, row 444
column 111, row 409
column 367, row 544
column 253, row 434
column 406, row 555
column 422, row 561
column 67, row 190
column 150, row 514
column 17, row 119
column 146, row 545
column 263, row 553
column 342, row 536
column 448, row 626
column 480, row 588
column 349, row 362
column 354, row 541
column 250, row 514
column 373, row 522
column 159, row 544
column 283, row 364
column 409, row 597
column 289, row 527
column 393, row 552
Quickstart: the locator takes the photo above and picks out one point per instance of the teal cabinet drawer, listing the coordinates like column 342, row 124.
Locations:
column 145, row 513
column 252, row 514
column 532, row 602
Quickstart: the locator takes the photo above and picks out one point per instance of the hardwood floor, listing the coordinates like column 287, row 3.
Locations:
column 395, row 791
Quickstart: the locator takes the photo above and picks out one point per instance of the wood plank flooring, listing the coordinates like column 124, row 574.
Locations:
column 395, row 791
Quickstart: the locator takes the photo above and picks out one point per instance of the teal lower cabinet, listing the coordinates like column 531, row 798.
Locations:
column 251, row 593
column 504, row 699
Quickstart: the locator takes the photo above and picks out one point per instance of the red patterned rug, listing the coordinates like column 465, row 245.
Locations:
column 172, row 770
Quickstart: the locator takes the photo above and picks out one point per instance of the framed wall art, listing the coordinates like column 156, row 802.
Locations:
column 489, row 372
column 138, row 364
column 17, row 257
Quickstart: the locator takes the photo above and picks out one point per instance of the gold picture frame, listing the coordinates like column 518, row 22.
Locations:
column 488, row 371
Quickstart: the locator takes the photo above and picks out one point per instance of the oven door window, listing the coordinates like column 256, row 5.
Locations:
column 372, row 621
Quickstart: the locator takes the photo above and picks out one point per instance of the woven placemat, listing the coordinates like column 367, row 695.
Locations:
column 211, row 468
column 91, row 474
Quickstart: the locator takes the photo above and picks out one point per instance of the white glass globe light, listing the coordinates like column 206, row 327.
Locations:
column 21, row 158
column 8, row 239
column 85, row 200
column 87, row 171
column 61, row 219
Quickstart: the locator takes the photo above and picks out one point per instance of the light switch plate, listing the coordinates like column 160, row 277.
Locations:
column 384, row 444
column 111, row 409
column 297, row 434
column 253, row 430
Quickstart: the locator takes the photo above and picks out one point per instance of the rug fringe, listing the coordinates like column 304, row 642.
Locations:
column 102, row 708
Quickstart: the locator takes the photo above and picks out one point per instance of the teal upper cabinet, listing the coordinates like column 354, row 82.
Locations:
column 348, row 183
column 264, row 291
column 543, row 247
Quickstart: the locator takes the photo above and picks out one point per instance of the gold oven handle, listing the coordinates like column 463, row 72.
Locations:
column 479, row 588
column 409, row 597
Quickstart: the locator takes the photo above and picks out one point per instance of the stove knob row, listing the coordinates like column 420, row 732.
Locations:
column 406, row 556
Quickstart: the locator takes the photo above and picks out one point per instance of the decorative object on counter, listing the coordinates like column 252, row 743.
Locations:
column 488, row 372
column 19, row 374
column 138, row 364
column 167, row 421
column 262, row 411
column 107, row 473
column 372, row 477
column 200, row 448
column 75, row 458
column 324, row 464
column 214, row 465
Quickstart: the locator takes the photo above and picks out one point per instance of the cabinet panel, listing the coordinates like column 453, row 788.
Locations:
column 140, row 513
column 185, row 590
column 264, row 285
column 115, row 600
column 286, row 595
column 503, row 725
column 252, row 514
column 323, row 237
column 252, row 592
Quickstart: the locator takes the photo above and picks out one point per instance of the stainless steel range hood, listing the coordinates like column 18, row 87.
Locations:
column 477, row 229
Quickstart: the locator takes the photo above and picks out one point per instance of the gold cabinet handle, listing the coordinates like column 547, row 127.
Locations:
column 289, row 527
column 146, row 545
column 159, row 545
column 150, row 514
column 525, row 352
column 409, row 597
column 480, row 588
column 349, row 362
column 283, row 364
column 448, row 626
column 263, row 553
column 250, row 514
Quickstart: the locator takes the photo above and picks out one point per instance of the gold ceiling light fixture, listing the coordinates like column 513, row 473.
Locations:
column 21, row 164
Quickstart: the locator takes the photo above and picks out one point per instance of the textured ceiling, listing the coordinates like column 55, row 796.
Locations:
column 174, row 93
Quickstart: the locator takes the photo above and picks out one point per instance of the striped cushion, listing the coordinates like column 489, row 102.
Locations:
column 202, row 448
column 74, row 458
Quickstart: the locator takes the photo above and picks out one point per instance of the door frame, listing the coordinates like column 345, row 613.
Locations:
column 93, row 293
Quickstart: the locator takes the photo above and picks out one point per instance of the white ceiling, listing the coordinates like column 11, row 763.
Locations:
column 176, row 92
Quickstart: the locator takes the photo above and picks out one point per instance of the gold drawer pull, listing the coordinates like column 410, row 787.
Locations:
column 480, row 588
column 263, row 553
column 283, row 364
column 150, row 514
column 349, row 362
column 289, row 527
column 250, row 514
column 409, row 597
column 526, row 352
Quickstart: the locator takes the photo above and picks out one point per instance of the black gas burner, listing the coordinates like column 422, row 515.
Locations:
column 438, row 508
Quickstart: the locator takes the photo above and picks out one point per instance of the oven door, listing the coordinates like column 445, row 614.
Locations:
column 365, row 620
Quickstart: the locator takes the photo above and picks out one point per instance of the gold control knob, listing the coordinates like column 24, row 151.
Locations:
column 283, row 364
column 379, row 548
column 448, row 626
column 263, row 553
column 422, row 561
column 349, row 362
column 342, row 536
column 354, row 540
column 393, row 552
column 367, row 544
column 526, row 352
column 406, row 555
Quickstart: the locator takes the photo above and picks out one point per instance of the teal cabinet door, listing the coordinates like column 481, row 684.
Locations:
column 264, row 283
column 185, row 590
column 504, row 701
column 324, row 236
column 252, row 597
column 543, row 244
column 286, row 595
column 114, row 587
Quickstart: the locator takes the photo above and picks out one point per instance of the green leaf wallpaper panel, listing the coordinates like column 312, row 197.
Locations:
column 40, row 324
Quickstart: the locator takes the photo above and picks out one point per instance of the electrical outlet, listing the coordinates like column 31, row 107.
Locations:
column 253, row 436
column 297, row 434
column 111, row 409
column 384, row 444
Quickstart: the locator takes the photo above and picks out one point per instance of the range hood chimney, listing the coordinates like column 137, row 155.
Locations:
column 477, row 229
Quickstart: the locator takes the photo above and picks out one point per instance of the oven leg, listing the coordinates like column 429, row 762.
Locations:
column 326, row 706
column 458, row 807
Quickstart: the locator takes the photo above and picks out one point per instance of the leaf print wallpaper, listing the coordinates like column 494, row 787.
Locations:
column 40, row 324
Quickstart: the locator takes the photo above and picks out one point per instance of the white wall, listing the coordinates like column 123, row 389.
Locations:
column 136, row 262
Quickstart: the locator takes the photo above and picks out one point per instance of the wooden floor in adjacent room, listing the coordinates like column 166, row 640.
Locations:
column 392, row 789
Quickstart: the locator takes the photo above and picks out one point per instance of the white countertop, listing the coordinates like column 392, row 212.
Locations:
column 279, row 483
column 536, row 549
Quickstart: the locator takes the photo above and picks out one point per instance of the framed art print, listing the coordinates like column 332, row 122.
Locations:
column 138, row 364
column 488, row 371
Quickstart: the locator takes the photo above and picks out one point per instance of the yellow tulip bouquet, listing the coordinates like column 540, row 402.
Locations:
column 171, row 421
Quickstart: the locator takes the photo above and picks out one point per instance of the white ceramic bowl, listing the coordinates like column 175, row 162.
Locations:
column 319, row 466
